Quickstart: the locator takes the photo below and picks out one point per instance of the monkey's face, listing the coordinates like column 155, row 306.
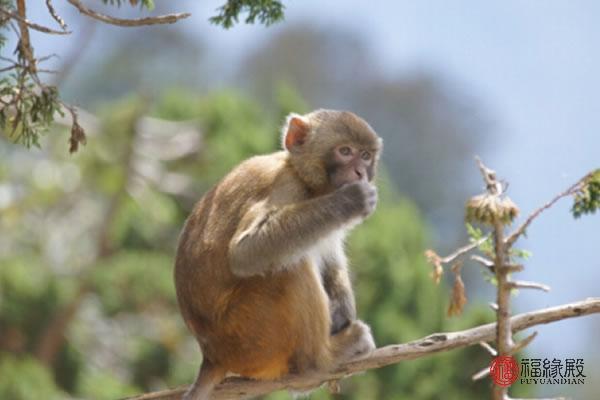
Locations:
column 329, row 148
column 350, row 163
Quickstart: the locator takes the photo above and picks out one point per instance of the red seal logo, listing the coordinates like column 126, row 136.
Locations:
column 504, row 370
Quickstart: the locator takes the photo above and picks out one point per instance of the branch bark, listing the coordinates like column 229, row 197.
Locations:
column 162, row 19
column 239, row 388
column 22, row 20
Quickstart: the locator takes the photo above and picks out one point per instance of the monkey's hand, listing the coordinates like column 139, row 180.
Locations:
column 357, row 199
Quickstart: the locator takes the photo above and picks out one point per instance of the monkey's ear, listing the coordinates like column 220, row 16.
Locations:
column 295, row 132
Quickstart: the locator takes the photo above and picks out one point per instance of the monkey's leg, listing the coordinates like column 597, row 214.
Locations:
column 341, row 297
column 208, row 377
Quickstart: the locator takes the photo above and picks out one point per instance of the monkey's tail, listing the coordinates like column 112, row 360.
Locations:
column 209, row 376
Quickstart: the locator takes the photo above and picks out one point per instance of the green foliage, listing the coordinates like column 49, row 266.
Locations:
column 24, row 378
column 153, row 361
column 132, row 281
column 104, row 385
column 26, row 109
column 234, row 130
column 475, row 235
column 266, row 11
column 29, row 295
column 587, row 199
column 520, row 253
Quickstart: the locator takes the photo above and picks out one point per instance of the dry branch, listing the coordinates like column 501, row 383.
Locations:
column 30, row 24
column 512, row 238
column 239, row 388
column 162, row 19
column 55, row 15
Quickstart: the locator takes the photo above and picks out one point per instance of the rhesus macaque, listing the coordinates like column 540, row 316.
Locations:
column 261, row 274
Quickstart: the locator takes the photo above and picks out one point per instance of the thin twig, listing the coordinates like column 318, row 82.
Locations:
column 55, row 15
column 489, row 348
column 523, row 343
column 239, row 388
column 463, row 250
column 537, row 398
column 32, row 25
column 489, row 176
column 529, row 285
column 10, row 67
column 162, row 19
column 481, row 374
column 521, row 229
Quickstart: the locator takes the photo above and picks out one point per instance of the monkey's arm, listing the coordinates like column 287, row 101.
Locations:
column 271, row 237
column 339, row 289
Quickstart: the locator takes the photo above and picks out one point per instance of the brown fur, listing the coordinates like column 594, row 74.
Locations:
column 266, row 313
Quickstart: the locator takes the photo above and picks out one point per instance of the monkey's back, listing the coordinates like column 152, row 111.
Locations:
column 253, row 326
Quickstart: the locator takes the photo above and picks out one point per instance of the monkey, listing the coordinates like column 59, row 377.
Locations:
column 260, row 272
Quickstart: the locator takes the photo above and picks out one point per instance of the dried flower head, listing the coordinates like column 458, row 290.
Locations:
column 488, row 209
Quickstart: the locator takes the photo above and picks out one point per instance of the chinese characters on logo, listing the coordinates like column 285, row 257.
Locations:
column 552, row 372
column 504, row 371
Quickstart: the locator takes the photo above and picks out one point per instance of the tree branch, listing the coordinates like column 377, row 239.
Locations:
column 24, row 43
column 32, row 25
column 162, row 19
column 55, row 15
column 570, row 191
column 239, row 388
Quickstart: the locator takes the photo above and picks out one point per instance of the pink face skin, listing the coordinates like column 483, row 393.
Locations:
column 352, row 165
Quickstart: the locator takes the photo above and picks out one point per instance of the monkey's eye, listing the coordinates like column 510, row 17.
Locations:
column 365, row 155
column 345, row 150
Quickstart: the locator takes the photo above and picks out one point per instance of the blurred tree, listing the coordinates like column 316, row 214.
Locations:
column 320, row 63
column 138, row 63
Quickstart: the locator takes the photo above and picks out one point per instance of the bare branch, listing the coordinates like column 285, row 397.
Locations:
column 489, row 348
column 239, row 388
column 504, row 329
column 55, row 15
column 529, row 285
column 464, row 250
column 162, row 19
column 30, row 24
column 26, row 51
column 523, row 343
column 489, row 176
column 537, row 398
column 512, row 238
column 481, row 374
column 485, row 262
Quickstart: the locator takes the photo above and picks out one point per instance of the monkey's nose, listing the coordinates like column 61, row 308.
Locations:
column 359, row 173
